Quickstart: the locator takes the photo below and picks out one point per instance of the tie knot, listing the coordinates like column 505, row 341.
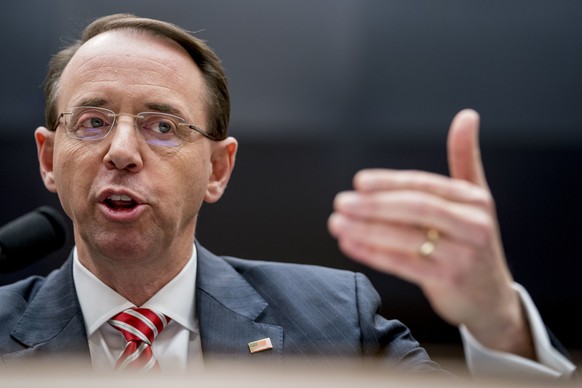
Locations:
column 139, row 324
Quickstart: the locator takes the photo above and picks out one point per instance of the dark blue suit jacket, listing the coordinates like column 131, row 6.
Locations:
column 306, row 311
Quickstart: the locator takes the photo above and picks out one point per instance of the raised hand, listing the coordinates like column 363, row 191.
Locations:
column 442, row 234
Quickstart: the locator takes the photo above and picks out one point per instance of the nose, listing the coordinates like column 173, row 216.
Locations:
column 124, row 152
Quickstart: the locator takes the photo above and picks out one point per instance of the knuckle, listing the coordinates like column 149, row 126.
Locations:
column 483, row 231
column 485, row 200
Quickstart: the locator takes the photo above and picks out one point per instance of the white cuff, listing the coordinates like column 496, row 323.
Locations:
column 485, row 362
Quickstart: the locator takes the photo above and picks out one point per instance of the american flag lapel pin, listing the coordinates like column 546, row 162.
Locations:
column 260, row 345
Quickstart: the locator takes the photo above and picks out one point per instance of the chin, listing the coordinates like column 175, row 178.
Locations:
column 126, row 248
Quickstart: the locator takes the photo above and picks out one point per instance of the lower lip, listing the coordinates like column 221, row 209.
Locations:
column 122, row 215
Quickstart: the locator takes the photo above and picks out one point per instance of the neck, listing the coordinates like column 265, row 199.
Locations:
column 137, row 280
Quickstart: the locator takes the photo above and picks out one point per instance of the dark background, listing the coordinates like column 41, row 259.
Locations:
column 321, row 89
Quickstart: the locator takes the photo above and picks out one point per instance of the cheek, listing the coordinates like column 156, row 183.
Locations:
column 192, row 180
column 71, row 172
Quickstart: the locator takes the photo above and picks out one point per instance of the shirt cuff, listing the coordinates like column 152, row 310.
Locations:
column 485, row 362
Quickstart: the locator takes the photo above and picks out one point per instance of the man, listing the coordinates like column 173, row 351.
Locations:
column 136, row 140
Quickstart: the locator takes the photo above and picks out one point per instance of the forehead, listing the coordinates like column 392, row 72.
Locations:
column 124, row 64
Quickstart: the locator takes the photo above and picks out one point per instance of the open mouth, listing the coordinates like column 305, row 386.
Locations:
column 120, row 202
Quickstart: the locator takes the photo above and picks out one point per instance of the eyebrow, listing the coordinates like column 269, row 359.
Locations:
column 163, row 108
column 152, row 106
column 98, row 102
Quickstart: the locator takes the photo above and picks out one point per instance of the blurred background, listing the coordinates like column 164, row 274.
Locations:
column 323, row 88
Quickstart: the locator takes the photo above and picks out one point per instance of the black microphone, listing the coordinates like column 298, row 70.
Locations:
column 30, row 238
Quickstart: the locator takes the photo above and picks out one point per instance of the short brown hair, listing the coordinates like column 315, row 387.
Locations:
column 218, row 98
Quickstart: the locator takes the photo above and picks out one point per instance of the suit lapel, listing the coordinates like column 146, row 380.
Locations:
column 52, row 323
column 229, row 310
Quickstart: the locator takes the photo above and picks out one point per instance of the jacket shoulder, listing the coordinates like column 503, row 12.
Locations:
column 24, row 289
column 16, row 296
column 292, row 274
column 305, row 284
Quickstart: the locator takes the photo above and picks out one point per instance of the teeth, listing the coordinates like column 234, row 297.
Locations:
column 118, row 197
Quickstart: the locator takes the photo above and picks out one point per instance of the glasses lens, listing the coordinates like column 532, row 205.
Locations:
column 89, row 123
column 160, row 129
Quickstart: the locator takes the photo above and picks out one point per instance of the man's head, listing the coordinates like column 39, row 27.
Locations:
column 132, row 194
column 218, row 98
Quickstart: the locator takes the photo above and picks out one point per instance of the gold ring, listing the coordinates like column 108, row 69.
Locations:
column 428, row 247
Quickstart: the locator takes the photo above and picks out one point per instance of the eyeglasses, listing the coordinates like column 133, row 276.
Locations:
column 159, row 129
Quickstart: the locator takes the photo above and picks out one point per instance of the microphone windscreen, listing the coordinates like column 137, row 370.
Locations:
column 31, row 237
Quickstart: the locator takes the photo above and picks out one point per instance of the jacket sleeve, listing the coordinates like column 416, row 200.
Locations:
column 389, row 340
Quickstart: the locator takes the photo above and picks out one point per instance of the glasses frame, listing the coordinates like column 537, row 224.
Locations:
column 181, row 122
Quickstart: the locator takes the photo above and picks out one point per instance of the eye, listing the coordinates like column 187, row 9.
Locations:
column 160, row 129
column 90, row 124
column 163, row 127
column 159, row 125
column 93, row 122
column 90, row 119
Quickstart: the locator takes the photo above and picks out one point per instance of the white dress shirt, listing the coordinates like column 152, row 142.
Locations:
column 176, row 348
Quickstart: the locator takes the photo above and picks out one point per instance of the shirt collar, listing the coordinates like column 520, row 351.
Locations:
column 99, row 302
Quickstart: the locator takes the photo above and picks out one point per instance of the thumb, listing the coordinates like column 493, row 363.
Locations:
column 463, row 148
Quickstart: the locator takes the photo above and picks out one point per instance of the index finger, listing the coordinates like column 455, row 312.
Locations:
column 458, row 190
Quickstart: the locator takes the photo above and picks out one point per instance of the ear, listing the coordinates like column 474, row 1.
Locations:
column 222, row 158
column 44, row 147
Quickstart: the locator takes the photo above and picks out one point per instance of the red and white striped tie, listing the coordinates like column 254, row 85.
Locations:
column 140, row 327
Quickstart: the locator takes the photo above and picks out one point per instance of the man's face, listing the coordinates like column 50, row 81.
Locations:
column 129, row 200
